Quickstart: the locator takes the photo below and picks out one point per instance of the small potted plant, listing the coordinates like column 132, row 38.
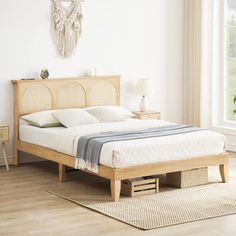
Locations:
column 234, row 111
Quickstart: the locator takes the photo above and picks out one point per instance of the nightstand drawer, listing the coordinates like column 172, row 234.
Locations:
column 156, row 115
column 150, row 116
column 4, row 134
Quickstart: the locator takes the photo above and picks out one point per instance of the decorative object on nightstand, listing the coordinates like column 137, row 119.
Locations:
column 143, row 89
column 4, row 137
column 147, row 115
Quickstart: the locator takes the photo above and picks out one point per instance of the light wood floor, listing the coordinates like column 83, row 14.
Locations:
column 27, row 209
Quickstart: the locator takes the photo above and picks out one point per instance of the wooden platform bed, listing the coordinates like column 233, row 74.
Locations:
column 38, row 95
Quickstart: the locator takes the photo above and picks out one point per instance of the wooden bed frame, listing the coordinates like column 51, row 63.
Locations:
column 38, row 95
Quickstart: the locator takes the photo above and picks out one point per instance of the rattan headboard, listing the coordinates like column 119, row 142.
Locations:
column 38, row 95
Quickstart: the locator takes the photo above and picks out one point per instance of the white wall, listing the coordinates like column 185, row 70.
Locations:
column 134, row 38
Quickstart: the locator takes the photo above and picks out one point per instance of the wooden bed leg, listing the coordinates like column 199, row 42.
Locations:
column 16, row 160
column 62, row 173
column 115, row 190
column 224, row 172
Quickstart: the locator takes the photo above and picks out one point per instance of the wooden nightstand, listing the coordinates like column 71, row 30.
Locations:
column 147, row 115
column 4, row 137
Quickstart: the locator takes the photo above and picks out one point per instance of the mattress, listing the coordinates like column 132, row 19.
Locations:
column 44, row 137
column 132, row 152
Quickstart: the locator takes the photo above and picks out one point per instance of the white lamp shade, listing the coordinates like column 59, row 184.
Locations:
column 143, row 87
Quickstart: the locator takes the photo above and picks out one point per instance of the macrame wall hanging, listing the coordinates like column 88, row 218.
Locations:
column 66, row 25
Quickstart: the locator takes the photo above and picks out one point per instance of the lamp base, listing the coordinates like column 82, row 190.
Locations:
column 143, row 104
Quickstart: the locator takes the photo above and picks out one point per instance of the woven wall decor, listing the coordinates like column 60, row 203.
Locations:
column 66, row 25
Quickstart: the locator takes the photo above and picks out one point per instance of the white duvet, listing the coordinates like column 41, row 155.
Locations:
column 142, row 151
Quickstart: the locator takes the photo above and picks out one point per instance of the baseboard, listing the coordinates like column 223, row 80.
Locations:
column 9, row 159
column 231, row 148
column 24, row 158
column 230, row 134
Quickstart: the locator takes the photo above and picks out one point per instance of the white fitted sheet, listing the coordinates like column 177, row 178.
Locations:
column 132, row 152
column 44, row 137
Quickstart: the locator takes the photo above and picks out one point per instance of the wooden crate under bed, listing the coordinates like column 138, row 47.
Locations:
column 143, row 186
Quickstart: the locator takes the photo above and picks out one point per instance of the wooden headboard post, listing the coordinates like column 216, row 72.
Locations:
column 16, row 125
column 40, row 95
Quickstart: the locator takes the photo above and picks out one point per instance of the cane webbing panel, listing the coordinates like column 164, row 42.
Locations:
column 38, row 95
column 71, row 95
column 36, row 98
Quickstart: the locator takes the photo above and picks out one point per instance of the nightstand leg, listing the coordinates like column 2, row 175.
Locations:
column 5, row 155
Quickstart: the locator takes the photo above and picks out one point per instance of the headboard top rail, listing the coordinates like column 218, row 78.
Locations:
column 52, row 80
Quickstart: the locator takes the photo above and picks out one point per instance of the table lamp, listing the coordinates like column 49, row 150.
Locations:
column 143, row 89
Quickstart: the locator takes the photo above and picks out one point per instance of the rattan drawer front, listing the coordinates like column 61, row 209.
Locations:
column 4, row 134
column 188, row 178
column 149, row 116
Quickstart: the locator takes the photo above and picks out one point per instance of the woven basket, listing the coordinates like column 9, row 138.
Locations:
column 188, row 178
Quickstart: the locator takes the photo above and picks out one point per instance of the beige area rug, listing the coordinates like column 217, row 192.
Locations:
column 166, row 208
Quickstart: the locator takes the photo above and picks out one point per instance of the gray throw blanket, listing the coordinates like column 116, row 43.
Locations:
column 90, row 146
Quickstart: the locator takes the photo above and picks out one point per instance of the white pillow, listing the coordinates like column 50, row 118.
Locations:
column 74, row 117
column 109, row 113
column 42, row 119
